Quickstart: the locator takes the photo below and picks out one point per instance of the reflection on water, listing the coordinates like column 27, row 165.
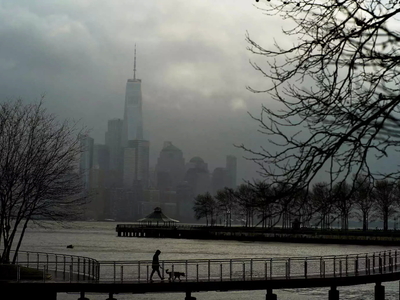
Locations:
column 99, row 240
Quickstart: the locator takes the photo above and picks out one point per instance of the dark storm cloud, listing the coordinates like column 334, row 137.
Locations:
column 191, row 57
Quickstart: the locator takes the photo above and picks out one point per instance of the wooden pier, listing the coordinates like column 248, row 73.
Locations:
column 260, row 234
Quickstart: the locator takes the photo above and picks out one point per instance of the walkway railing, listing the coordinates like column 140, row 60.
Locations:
column 60, row 267
column 255, row 269
column 70, row 268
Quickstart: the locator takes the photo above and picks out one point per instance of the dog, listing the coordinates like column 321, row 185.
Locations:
column 174, row 275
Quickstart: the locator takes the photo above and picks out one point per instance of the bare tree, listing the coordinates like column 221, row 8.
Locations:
column 363, row 200
column 38, row 170
column 343, row 202
column 246, row 202
column 226, row 202
column 323, row 205
column 205, row 206
column 265, row 204
column 385, row 200
column 336, row 82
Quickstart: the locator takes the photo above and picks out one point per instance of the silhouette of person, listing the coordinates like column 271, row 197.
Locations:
column 155, row 265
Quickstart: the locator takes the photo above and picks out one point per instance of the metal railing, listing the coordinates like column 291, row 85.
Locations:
column 57, row 267
column 254, row 268
column 70, row 268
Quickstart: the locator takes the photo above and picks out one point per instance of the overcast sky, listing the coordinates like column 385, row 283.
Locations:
column 191, row 57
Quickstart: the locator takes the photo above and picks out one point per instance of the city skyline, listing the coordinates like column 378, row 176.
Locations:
column 195, row 82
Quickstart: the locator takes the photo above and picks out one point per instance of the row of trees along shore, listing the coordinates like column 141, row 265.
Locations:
column 259, row 204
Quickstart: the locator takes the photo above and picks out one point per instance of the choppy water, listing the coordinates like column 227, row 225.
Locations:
column 99, row 240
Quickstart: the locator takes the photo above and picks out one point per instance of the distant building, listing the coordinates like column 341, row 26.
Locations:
column 219, row 180
column 231, row 169
column 86, row 159
column 197, row 176
column 113, row 139
column 197, row 163
column 101, row 157
column 170, row 169
column 185, row 202
column 136, row 163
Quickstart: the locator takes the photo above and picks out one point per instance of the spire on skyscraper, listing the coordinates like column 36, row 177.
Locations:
column 134, row 65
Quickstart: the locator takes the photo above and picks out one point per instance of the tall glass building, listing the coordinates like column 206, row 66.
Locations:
column 133, row 118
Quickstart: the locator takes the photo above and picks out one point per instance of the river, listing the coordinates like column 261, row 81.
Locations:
column 99, row 240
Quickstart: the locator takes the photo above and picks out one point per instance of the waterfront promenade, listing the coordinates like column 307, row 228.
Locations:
column 84, row 275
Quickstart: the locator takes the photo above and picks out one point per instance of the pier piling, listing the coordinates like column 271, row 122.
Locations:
column 379, row 291
column 333, row 293
column 270, row 295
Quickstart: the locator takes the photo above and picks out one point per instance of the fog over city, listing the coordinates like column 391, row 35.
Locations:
column 191, row 58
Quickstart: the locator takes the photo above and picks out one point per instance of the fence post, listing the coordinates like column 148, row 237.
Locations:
column 356, row 266
column 244, row 272
column 70, row 273
column 122, row 274
column 221, row 270
column 270, row 269
column 115, row 271
column 139, row 271
column 347, row 265
column 230, row 269
column 266, row 270
column 340, row 267
column 320, row 267
column 373, row 262
column 56, row 264
column 79, row 266
column 197, row 272
column 209, row 270
column 334, row 266
column 18, row 273
column 65, row 267
column 251, row 269
column 186, row 269
column 84, row 268
column 286, row 269
column 384, row 261
column 305, row 268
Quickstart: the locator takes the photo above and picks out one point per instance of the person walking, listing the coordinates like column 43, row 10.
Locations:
column 155, row 265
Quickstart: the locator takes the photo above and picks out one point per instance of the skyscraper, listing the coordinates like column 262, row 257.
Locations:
column 114, row 143
column 170, row 169
column 136, row 164
column 86, row 159
column 133, row 119
column 231, row 163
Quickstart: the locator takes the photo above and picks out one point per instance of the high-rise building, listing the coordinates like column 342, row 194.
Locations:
column 133, row 119
column 170, row 169
column 114, row 143
column 219, row 180
column 198, row 176
column 136, row 164
column 86, row 159
column 231, row 163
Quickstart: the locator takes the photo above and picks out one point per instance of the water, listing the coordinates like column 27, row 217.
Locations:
column 99, row 240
